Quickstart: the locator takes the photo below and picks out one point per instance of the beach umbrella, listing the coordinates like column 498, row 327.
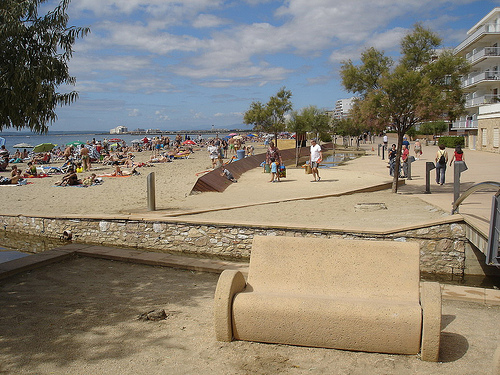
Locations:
column 44, row 147
column 251, row 135
column 2, row 141
column 136, row 141
column 75, row 143
column 23, row 145
column 231, row 134
column 238, row 137
column 115, row 140
column 189, row 142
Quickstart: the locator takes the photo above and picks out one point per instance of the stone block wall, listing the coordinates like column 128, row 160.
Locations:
column 442, row 247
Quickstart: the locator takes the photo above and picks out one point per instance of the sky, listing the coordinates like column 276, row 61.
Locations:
column 194, row 64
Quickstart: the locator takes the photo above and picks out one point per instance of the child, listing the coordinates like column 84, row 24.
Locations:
column 274, row 171
column 228, row 175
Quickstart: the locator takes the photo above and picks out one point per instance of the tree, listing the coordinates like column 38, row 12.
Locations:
column 434, row 128
column 270, row 118
column 309, row 119
column 34, row 55
column 424, row 86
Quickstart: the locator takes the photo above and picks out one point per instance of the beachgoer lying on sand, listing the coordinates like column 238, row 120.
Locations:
column 14, row 180
column 119, row 172
column 159, row 159
column 89, row 180
column 70, row 179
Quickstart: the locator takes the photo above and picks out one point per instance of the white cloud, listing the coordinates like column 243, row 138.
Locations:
column 133, row 112
column 209, row 20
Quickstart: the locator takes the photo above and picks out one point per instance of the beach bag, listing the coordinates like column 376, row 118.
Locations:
column 282, row 171
column 442, row 159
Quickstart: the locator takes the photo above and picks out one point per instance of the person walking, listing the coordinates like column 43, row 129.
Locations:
column 417, row 147
column 441, row 160
column 458, row 155
column 314, row 160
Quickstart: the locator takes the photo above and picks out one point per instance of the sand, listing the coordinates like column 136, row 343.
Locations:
column 80, row 317
column 174, row 182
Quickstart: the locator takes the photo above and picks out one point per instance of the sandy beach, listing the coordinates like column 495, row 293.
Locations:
column 175, row 180
column 79, row 316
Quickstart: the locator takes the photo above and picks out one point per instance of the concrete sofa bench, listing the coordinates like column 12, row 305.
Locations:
column 331, row 293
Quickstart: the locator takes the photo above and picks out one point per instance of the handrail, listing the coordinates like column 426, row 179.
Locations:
column 472, row 190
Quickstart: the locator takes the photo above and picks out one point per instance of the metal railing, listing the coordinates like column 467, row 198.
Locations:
column 471, row 191
column 484, row 52
column 488, row 28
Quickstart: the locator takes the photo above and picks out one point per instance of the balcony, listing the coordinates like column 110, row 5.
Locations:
column 482, row 54
column 482, row 100
column 464, row 124
column 474, row 79
column 486, row 29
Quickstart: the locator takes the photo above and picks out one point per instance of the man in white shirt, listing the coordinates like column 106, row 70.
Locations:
column 315, row 158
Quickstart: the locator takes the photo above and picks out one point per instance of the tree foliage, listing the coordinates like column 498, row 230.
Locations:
column 34, row 55
column 270, row 117
column 434, row 127
column 309, row 119
column 424, row 86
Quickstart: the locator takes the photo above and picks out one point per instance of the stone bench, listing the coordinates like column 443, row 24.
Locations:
column 331, row 293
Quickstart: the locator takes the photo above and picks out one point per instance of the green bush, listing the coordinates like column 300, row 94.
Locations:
column 325, row 137
column 451, row 141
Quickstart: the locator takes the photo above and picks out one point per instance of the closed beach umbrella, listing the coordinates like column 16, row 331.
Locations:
column 2, row 141
column 44, row 147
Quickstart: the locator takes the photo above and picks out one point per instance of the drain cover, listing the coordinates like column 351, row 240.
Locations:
column 370, row 207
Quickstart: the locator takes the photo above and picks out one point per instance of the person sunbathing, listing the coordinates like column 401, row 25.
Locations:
column 70, row 179
column 13, row 180
column 89, row 180
column 118, row 172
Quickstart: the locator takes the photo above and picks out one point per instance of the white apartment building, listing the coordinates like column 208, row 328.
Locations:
column 481, row 48
column 342, row 108
column 118, row 130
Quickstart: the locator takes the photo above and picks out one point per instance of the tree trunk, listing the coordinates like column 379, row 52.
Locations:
column 399, row 146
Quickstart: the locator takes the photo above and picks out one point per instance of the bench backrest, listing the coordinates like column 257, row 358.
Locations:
column 337, row 267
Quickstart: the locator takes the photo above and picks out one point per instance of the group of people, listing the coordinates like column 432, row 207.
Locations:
column 441, row 159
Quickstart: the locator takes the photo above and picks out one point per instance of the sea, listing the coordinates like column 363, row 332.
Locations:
column 63, row 138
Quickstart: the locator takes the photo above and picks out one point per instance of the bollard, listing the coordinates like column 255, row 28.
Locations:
column 411, row 159
column 459, row 167
column 383, row 152
column 429, row 166
column 379, row 145
column 151, row 192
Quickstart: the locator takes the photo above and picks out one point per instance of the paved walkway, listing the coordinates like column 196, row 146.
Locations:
column 482, row 166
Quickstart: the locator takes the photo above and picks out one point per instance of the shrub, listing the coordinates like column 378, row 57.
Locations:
column 451, row 141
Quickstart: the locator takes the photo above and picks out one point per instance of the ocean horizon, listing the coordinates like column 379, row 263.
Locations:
column 62, row 138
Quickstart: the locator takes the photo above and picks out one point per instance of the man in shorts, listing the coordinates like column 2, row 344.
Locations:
column 315, row 158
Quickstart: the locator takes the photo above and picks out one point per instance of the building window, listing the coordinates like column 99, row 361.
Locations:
column 484, row 137
column 496, row 137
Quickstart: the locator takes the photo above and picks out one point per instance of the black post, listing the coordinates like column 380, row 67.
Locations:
column 429, row 166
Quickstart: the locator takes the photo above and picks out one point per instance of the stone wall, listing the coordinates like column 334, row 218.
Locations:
column 442, row 246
